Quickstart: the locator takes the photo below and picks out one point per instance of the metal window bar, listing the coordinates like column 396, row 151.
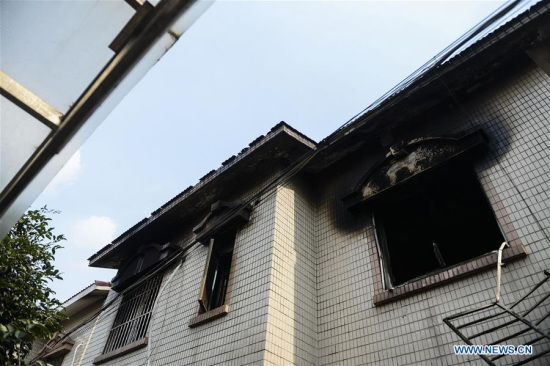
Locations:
column 133, row 316
column 524, row 318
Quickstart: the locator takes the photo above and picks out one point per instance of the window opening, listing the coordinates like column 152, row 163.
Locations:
column 436, row 220
column 134, row 313
column 216, row 272
column 56, row 360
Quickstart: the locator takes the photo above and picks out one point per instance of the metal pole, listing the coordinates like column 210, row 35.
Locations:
column 499, row 269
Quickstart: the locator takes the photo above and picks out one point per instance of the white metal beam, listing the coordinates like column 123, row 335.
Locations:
column 29, row 102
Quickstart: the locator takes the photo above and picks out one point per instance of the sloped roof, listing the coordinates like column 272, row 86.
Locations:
column 494, row 22
column 495, row 36
column 86, row 296
column 282, row 142
column 508, row 19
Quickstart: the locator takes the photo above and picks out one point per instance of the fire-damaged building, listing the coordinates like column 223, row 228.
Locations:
column 364, row 248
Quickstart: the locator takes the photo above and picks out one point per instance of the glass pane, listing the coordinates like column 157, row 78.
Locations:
column 56, row 48
column 20, row 136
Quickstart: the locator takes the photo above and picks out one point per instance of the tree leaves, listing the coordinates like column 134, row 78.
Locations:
column 27, row 308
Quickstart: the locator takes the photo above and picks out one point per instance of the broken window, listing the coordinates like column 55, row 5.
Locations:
column 217, row 269
column 436, row 220
column 134, row 314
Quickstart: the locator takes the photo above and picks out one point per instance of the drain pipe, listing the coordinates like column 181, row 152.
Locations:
column 499, row 269
column 150, row 338
column 76, row 350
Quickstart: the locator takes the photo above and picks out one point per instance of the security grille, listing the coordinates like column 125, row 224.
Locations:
column 525, row 322
column 133, row 316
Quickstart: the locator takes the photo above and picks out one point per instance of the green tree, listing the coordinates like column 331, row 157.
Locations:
column 28, row 309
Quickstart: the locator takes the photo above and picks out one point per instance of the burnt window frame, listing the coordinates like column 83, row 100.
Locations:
column 220, row 227
column 385, row 293
column 221, row 245
column 219, row 257
column 404, row 162
column 382, row 243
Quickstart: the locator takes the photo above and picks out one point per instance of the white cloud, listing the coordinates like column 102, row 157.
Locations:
column 84, row 237
column 68, row 174
column 92, row 233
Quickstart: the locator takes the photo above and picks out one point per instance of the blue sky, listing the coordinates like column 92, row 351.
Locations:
column 240, row 69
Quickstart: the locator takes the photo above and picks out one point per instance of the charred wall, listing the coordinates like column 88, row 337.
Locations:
column 513, row 112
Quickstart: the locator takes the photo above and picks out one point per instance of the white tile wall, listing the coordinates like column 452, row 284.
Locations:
column 410, row 331
column 302, row 285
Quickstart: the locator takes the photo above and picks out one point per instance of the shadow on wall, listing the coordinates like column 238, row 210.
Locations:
column 303, row 216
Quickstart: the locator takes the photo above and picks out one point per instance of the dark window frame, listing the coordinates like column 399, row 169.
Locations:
column 217, row 271
column 218, row 231
column 133, row 317
column 432, row 201
column 386, row 293
column 214, row 291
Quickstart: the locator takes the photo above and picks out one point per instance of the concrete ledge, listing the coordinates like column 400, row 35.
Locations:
column 488, row 261
column 209, row 316
column 120, row 351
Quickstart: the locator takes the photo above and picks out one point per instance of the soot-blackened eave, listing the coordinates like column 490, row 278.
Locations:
column 230, row 184
column 474, row 68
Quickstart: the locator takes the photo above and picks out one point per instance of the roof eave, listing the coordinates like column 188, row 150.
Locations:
column 372, row 119
column 95, row 290
column 281, row 133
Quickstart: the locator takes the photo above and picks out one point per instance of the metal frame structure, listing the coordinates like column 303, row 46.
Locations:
column 504, row 318
column 134, row 314
column 29, row 102
column 135, row 41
